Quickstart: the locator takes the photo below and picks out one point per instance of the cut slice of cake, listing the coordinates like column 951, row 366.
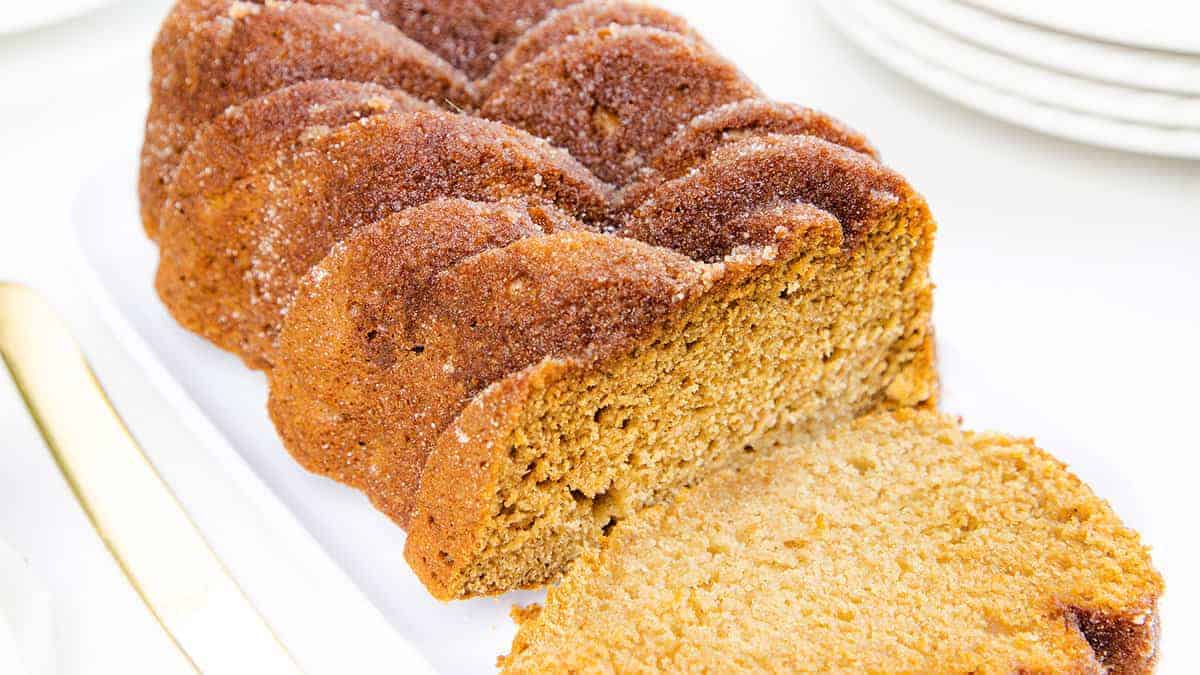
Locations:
column 897, row 543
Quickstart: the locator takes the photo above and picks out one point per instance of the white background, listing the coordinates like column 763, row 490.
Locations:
column 1068, row 288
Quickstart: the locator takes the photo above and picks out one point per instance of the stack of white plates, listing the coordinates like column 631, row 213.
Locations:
column 1120, row 75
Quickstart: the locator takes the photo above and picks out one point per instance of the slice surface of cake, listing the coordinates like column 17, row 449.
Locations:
column 897, row 543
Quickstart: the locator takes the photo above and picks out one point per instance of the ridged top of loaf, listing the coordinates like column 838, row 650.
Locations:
column 279, row 129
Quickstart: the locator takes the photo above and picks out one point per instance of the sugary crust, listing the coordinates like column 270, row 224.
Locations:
column 269, row 130
column 282, row 218
column 696, row 140
column 693, row 142
column 578, row 19
column 211, row 54
column 693, row 213
column 364, row 385
column 470, row 34
column 612, row 96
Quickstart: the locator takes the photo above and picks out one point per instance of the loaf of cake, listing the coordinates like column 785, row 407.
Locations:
column 894, row 544
column 550, row 280
column 517, row 269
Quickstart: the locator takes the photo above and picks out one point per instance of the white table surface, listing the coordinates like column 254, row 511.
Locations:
column 1068, row 276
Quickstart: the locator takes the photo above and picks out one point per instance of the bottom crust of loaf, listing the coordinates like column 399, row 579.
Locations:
column 896, row 543
column 541, row 465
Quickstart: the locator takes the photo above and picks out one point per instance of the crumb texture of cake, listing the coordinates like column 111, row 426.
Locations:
column 896, row 543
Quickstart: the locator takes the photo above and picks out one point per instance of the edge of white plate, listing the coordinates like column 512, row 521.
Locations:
column 387, row 643
column 35, row 20
column 1034, row 83
column 1098, row 21
column 1134, row 67
column 993, row 102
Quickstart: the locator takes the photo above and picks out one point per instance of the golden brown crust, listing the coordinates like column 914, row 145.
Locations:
column 613, row 95
column 230, row 260
column 577, row 19
column 470, row 34
column 210, row 54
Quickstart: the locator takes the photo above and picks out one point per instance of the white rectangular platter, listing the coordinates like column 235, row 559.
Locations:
column 215, row 392
column 211, row 389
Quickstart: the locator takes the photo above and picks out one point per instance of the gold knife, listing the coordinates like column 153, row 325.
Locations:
column 156, row 544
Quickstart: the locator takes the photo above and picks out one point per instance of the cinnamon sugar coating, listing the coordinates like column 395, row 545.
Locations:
column 269, row 130
column 272, row 225
column 694, row 213
column 779, row 227
column 578, row 19
column 211, row 54
column 612, row 96
column 365, row 383
column 696, row 140
column 471, row 34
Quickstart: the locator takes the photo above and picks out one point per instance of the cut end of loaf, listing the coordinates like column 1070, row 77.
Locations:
column 895, row 543
column 542, row 464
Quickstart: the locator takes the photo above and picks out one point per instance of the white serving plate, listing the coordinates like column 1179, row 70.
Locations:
column 16, row 17
column 225, row 403
column 1043, row 85
column 1106, row 61
column 26, row 625
column 942, row 74
column 1167, row 25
